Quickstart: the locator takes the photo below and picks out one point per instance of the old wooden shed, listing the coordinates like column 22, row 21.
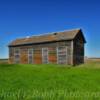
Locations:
column 66, row 47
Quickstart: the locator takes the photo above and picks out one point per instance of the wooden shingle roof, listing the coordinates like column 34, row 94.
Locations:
column 56, row 36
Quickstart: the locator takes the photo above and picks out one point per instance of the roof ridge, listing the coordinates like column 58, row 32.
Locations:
column 61, row 35
column 48, row 33
column 63, row 31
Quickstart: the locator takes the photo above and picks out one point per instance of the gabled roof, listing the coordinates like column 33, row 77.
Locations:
column 55, row 36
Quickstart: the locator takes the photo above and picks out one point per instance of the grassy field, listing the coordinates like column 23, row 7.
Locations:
column 50, row 82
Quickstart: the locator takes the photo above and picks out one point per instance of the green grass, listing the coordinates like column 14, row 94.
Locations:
column 50, row 82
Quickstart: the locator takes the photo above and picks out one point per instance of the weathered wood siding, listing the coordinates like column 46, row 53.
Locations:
column 52, row 55
column 11, row 55
column 23, row 55
column 37, row 55
column 78, row 51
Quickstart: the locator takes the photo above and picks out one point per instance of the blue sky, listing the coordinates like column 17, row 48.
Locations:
column 21, row 18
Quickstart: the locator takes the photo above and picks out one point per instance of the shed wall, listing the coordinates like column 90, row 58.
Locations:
column 78, row 51
column 37, row 55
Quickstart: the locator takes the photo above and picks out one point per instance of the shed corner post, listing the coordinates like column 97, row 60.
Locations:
column 72, row 52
